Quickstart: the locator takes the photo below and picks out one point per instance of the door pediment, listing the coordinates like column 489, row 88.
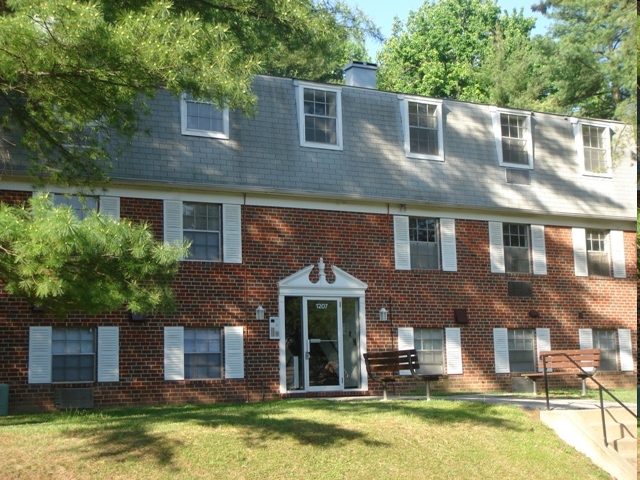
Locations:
column 300, row 284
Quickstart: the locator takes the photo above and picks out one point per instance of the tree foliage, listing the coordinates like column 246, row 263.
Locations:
column 97, row 264
column 441, row 49
column 590, row 66
column 73, row 73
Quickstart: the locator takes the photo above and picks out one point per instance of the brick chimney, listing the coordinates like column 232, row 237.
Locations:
column 361, row 74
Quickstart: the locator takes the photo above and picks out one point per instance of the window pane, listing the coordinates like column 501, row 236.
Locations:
column 424, row 243
column 605, row 340
column 514, row 143
column 595, row 152
column 598, row 259
column 423, row 128
column 428, row 343
column 73, row 358
column 521, row 350
column 201, row 226
column 202, row 357
column 320, row 121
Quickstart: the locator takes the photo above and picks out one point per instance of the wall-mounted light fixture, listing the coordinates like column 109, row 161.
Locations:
column 259, row 313
column 534, row 314
column 581, row 314
column 384, row 314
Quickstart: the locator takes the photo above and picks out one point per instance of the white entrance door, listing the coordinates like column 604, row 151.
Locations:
column 323, row 350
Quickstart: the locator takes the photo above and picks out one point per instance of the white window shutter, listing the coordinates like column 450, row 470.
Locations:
column 173, row 353
column 585, row 337
column 626, row 351
column 401, row 243
column 580, row 252
column 501, row 350
column 405, row 342
column 110, row 206
column 453, row 348
column 108, row 354
column 40, row 354
column 543, row 344
column 448, row 238
column 173, row 222
column 538, row 250
column 233, row 352
column 617, row 253
column 496, row 247
column 232, row 233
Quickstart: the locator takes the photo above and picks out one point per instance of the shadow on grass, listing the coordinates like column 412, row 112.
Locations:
column 141, row 433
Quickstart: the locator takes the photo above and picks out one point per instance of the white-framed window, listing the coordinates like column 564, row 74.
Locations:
column 518, row 349
column 593, row 145
column 202, row 353
column 203, row 119
column 319, row 115
column 423, row 129
column 73, row 354
column 424, row 237
column 197, row 353
column 83, row 204
column 214, row 230
column 513, row 138
column 429, row 344
column 439, row 348
column 598, row 252
column 425, row 243
column 615, row 346
column 515, row 247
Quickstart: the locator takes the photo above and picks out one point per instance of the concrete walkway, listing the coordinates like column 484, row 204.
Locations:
column 538, row 403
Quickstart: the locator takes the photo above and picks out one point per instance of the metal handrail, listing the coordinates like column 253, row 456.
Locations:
column 600, row 388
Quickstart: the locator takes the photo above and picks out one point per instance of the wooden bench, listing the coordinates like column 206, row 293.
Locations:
column 385, row 367
column 581, row 363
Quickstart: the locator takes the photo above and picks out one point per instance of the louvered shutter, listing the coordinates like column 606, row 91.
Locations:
column 108, row 354
column 543, row 344
column 626, row 352
column 40, row 354
column 405, row 342
column 617, row 254
column 448, row 238
column 233, row 352
column 496, row 247
column 173, row 222
column 173, row 353
column 232, row 233
column 401, row 242
column 453, row 348
column 538, row 250
column 110, row 206
column 585, row 337
column 501, row 350
column 580, row 252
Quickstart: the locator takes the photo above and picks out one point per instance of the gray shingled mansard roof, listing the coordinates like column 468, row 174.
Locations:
column 263, row 154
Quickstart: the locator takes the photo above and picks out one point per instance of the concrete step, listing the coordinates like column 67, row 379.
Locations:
column 582, row 429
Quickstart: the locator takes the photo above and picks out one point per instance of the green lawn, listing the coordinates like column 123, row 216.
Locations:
column 292, row 439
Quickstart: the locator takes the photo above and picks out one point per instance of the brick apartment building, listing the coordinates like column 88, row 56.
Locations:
column 340, row 220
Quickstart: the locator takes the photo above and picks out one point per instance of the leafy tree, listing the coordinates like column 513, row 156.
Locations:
column 591, row 63
column 97, row 264
column 440, row 51
column 75, row 72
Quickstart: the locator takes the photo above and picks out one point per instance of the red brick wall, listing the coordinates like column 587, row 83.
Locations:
column 278, row 242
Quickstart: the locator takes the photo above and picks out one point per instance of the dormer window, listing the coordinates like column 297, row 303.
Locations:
column 422, row 125
column 319, row 116
column 593, row 144
column 514, row 143
column 203, row 119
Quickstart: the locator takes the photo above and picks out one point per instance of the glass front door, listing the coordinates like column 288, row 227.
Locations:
column 324, row 361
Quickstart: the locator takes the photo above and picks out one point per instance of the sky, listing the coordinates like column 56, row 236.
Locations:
column 382, row 13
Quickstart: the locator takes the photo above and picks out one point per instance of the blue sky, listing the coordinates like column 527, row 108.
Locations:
column 382, row 13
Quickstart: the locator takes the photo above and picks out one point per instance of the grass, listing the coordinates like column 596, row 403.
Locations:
column 292, row 439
